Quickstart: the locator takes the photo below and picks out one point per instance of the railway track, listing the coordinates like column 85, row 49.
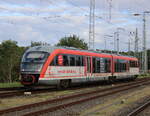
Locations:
column 54, row 105
column 6, row 93
column 139, row 109
column 19, row 91
column 11, row 88
column 22, row 92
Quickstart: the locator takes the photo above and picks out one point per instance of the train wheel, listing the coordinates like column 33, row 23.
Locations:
column 65, row 83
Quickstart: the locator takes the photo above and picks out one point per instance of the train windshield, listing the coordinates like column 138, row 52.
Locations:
column 33, row 61
column 36, row 56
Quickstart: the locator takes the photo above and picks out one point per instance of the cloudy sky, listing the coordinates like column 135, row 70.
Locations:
column 49, row 20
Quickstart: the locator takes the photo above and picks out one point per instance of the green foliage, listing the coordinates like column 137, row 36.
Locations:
column 10, row 56
column 35, row 43
column 38, row 43
column 144, row 75
column 73, row 41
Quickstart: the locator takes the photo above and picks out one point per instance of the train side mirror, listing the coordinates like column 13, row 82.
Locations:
column 60, row 60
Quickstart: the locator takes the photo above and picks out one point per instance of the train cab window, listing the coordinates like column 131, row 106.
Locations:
column 36, row 56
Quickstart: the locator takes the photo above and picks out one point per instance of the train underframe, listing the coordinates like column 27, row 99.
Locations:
column 31, row 80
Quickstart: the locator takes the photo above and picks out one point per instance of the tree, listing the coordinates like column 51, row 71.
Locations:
column 10, row 56
column 72, row 41
column 38, row 43
column 35, row 43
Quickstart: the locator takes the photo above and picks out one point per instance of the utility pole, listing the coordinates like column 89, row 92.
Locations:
column 92, row 25
column 118, row 38
column 117, row 42
column 144, row 43
column 105, row 38
column 144, row 54
column 110, row 7
column 105, row 44
column 129, row 46
column 136, row 43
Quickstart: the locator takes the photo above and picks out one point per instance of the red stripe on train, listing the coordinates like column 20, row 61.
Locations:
column 75, row 52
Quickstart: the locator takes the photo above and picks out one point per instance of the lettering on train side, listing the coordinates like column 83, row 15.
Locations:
column 67, row 71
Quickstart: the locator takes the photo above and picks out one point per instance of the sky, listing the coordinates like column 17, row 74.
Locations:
column 50, row 20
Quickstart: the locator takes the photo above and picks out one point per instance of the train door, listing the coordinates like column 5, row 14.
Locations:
column 89, row 67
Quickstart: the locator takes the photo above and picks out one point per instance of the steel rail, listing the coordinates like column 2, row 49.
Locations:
column 11, row 88
column 19, row 108
column 22, row 90
column 52, row 109
column 139, row 109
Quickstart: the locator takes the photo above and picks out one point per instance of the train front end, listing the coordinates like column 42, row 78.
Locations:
column 31, row 65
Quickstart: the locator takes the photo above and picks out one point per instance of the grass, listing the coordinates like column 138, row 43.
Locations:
column 144, row 75
column 28, row 99
column 14, row 84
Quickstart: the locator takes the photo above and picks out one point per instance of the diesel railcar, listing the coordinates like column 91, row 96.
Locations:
column 49, row 65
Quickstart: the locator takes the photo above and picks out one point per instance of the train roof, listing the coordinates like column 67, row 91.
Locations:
column 50, row 49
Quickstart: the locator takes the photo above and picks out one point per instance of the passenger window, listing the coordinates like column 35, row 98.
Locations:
column 65, row 60
column 82, row 61
column 60, row 60
column 72, row 61
column 133, row 64
column 78, row 61
column 94, row 65
column 88, row 64
column 97, row 65
column 107, row 65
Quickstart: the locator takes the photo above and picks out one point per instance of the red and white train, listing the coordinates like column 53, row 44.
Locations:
column 63, row 66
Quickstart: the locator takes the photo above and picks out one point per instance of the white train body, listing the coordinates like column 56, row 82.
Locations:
column 57, row 66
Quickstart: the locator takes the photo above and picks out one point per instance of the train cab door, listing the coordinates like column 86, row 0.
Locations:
column 89, row 67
